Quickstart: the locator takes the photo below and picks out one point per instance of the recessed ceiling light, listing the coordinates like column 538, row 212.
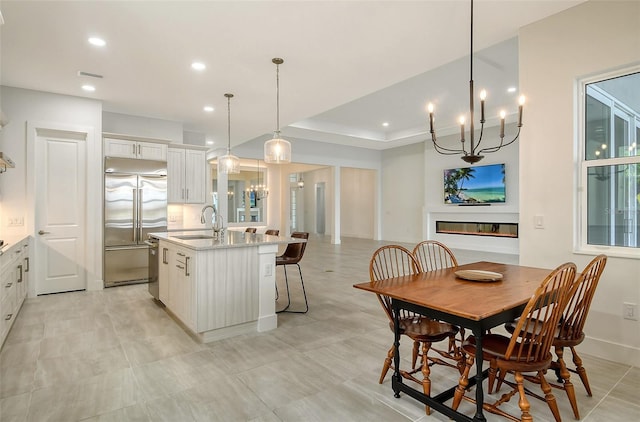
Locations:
column 209, row 142
column 208, row 109
column 511, row 89
column 98, row 42
column 198, row 66
column 385, row 124
column 89, row 88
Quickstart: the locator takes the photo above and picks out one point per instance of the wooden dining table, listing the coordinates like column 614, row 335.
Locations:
column 477, row 305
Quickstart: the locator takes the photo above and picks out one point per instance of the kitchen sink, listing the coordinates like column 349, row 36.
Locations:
column 193, row 236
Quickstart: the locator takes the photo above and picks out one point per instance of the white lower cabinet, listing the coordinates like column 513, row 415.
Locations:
column 14, row 271
column 177, row 281
column 210, row 289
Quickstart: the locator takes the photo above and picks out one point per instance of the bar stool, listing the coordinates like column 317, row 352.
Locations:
column 292, row 256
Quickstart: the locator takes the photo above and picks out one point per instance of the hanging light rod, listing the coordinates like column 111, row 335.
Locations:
column 277, row 150
column 229, row 164
column 474, row 153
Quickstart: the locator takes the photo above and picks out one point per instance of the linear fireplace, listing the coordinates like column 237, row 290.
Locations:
column 509, row 230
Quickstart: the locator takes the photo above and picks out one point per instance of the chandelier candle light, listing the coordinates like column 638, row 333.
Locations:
column 277, row 150
column 229, row 164
column 474, row 154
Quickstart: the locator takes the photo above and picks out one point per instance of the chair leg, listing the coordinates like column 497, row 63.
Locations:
column 463, row 383
column 548, row 396
column 286, row 283
column 304, row 292
column 501, row 375
column 566, row 382
column 387, row 363
column 414, row 354
column 581, row 371
column 493, row 369
column 426, row 381
column 523, row 403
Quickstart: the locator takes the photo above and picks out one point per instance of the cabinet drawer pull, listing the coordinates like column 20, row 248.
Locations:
column 164, row 256
column 186, row 266
column 26, row 263
column 20, row 277
column 180, row 266
column 9, row 285
column 8, row 317
column 180, row 254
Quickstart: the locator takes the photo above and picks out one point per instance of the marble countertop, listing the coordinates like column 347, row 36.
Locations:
column 10, row 241
column 203, row 239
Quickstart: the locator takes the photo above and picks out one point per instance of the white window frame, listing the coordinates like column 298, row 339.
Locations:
column 582, row 165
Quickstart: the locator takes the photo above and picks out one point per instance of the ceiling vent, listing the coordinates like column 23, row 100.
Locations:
column 91, row 75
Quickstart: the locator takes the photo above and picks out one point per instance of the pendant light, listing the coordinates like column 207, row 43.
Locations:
column 229, row 164
column 277, row 150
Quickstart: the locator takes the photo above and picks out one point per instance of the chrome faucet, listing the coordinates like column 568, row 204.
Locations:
column 213, row 214
column 216, row 220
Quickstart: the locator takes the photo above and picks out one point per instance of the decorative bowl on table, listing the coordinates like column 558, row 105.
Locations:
column 478, row 275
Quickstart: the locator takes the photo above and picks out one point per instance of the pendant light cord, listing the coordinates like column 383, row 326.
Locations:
column 278, row 98
column 471, row 44
column 229, row 96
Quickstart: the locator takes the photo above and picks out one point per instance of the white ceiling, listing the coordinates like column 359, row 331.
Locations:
column 348, row 66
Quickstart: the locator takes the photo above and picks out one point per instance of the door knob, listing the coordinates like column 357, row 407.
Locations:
column 41, row 232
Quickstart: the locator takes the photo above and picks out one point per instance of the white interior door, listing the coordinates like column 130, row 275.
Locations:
column 60, row 199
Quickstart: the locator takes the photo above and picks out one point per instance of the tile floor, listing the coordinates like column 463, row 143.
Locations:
column 114, row 355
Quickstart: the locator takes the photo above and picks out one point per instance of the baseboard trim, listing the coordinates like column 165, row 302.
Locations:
column 616, row 352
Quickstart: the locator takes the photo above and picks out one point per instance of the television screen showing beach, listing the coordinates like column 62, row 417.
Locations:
column 475, row 185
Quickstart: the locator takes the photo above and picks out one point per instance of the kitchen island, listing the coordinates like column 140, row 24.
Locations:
column 219, row 288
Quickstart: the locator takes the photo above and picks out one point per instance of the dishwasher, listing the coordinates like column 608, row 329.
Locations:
column 154, row 285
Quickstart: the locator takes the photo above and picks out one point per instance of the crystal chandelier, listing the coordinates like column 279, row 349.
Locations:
column 259, row 190
column 474, row 153
column 277, row 150
column 229, row 164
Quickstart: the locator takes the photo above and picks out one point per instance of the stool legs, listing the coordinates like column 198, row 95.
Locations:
column 304, row 292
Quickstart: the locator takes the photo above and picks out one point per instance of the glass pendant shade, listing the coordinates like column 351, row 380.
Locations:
column 277, row 150
column 229, row 164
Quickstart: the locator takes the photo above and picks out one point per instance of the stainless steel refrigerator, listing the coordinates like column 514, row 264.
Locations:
column 135, row 204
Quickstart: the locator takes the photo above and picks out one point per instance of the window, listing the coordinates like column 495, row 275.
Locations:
column 610, row 165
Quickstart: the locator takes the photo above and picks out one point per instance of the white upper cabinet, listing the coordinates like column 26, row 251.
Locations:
column 186, row 175
column 135, row 149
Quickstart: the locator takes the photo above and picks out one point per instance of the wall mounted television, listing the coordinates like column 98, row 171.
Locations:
column 479, row 185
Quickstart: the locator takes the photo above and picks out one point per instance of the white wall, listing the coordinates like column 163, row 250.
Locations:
column 588, row 39
column 22, row 106
column 357, row 204
column 403, row 193
column 145, row 127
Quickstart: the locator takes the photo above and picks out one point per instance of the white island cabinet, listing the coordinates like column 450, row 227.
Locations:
column 219, row 288
column 14, row 276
